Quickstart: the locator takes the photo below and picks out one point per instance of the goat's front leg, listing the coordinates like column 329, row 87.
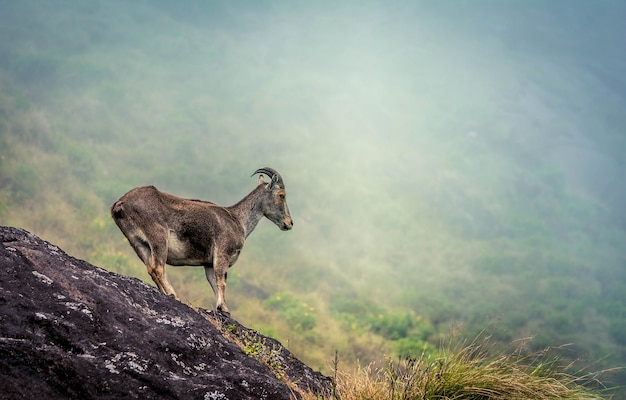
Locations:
column 220, row 267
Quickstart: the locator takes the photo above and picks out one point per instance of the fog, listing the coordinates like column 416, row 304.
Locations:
column 458, row 160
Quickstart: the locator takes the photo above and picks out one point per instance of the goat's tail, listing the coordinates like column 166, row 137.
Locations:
column 117, row 210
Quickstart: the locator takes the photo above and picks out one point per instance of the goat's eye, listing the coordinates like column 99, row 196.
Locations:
column 282, row 196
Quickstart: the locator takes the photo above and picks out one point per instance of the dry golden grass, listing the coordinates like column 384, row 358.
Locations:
column 469, row 371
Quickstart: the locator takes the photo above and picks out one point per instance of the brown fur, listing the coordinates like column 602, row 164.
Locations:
column 165, row 229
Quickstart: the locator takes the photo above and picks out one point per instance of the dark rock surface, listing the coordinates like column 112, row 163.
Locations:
column 70, row 330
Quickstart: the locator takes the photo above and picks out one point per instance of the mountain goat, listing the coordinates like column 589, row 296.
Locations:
column 165, row 229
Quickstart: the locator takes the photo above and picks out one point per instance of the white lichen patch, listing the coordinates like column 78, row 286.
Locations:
column 186, row 370
column 43, row 278
column 110, row 365
column 175, row 377
column 215, row 396
column 40, row 316
column 200, row 367
column 137, row 367
column 197, row 342
column 175, row 358
column 80, row 307
column 87, row 312
column 174, row 321
column 126, row 361
column 98, row 345
column 145, row 310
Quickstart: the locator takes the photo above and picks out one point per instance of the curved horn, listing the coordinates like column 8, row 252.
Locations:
column 271, row 173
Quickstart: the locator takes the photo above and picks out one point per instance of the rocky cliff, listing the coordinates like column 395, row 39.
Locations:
column 69, row 329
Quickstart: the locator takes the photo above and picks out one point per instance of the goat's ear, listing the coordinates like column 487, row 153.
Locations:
column 261, row 180
column 272, row 182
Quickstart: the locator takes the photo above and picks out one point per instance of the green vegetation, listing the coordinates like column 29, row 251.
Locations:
column 439, row 169
column 300, row 316
column 268, row 355
column 255, row 346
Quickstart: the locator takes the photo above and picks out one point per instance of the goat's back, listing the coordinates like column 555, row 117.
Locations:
column 148, row 205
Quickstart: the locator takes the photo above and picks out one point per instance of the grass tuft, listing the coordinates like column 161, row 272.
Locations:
column 470, row 371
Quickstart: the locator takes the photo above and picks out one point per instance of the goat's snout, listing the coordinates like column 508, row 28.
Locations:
column 287, row 224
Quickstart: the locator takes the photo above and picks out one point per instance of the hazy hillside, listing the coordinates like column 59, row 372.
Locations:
column 445, row 162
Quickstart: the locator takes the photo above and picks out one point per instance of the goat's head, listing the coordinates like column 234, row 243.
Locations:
column 275, row 201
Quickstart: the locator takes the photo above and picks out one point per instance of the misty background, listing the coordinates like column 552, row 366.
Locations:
column 449, row 163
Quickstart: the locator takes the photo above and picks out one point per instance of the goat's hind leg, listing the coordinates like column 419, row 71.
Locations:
column 156, row 269
column 142, row 249
column 154, row 260
column 153, row 253
column 150, row 248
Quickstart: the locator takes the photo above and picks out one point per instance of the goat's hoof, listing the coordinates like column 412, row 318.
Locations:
column 224, row 313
